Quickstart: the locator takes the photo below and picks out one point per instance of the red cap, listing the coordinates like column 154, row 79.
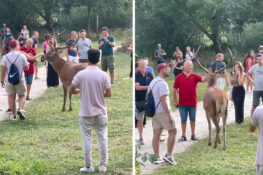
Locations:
column 13, row 44
column 162, row 66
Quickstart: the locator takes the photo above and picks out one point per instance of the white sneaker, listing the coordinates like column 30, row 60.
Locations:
column 159, row 161
column 170, row 160
column 102, row 169
column 13, row 118
column 85, row 169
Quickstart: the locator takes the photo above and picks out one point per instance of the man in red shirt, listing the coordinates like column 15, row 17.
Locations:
column 186, row 84
column 31, row 57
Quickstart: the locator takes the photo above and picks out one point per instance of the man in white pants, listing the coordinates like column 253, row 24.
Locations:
column 257, row 122
column 93, row 86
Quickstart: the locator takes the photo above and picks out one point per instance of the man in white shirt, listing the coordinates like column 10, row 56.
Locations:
column 14, row 57
column 83, row 46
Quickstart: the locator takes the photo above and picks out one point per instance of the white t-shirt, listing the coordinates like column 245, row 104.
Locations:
column 92, row 83
column 257, row 120
column 159, row 88
column 83, row 46
column 20, row 63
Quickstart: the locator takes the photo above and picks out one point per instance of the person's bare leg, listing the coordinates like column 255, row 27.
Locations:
column 155, row 142
column 112, row 77
column 21, row 102
column 8, row 99
column 171, row 141
column 140, row 128
column 28, row 88
column 247, row 84
column 192, row 124
column 183, row 125
column 36, row 71
column 12, row 104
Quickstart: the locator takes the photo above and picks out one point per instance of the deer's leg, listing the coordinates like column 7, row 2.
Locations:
column 209, row 130
column 218, row 140
column 65, row 89
column 224, row 130
column 217, row 131
column 70, row 106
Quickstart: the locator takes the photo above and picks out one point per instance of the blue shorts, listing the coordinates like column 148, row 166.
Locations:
column 36, row 63
column 185, row 110
column 29, row 78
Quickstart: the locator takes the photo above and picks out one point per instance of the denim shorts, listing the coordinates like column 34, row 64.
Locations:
column 36, row 63
column 187, row 110
column 29, row 78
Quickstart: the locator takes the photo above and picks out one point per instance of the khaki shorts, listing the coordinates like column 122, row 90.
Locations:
column 161, row 121
column 107, row 62
column 19, row 89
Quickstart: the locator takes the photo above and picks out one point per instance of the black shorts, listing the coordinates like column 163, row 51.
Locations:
column 256, row 97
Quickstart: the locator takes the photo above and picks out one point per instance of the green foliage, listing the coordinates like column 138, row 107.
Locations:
column 190, row 22
column 60, row 15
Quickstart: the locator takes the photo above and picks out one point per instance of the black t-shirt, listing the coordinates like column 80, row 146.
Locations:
column 21, row 41
column 178, row 71
column 35, row 42
column 144, row 81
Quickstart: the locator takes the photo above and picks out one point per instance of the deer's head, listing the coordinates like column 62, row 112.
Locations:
column 53, row 53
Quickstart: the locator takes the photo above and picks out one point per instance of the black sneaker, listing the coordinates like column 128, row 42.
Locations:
column 182, row 139
column 194, row 138
column 8, row 110
column 21, row 115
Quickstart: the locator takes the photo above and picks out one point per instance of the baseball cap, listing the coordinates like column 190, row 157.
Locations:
column 162, row 66
column 13, row 44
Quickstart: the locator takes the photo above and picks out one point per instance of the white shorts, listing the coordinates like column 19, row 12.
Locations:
column 221, row 82
column 72, row 59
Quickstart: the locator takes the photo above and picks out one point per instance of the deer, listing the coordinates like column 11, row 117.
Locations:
column 65, row 70
column 215, row 102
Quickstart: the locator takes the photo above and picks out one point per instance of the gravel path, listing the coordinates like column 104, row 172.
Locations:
column 201, row 131
column 38, row 88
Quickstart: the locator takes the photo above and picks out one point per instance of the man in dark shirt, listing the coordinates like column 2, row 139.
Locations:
column 142, row 81
column 217, row 65
column 71, row 53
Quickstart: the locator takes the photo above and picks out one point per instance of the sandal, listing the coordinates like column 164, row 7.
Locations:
column 194, row 138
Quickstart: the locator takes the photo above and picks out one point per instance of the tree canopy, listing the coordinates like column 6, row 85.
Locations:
column 54, row 15
column 214, row 24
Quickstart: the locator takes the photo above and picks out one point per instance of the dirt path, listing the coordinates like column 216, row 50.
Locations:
column 201, row 131
column 38, row 88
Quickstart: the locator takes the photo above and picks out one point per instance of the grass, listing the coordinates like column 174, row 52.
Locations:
column 49, row 141
column 200, row 159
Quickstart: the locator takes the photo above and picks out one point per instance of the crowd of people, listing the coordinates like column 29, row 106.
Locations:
column 185, row 86
column 19, row 65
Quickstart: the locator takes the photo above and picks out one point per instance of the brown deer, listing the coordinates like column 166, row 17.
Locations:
column 66, row 70
column 215, row 103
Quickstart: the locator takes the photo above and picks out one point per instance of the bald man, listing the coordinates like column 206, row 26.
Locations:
column 142, row 80
column 31, row 57
column 186, row 84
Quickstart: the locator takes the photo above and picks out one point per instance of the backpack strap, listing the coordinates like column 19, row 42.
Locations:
column 152, row 89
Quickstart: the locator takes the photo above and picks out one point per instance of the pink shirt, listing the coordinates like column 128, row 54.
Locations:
column 92, row 83
column 44, row 45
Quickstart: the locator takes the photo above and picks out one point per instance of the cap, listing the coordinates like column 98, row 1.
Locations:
column 162, row 66
column 260, row 47
column 104, row 28
column 13, row 44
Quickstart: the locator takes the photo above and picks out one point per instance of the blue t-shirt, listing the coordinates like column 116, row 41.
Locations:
column 107, row 50
column 35, row 42
column 150, row 69
column 217, row 65
column 7, row 36
column 70, row 52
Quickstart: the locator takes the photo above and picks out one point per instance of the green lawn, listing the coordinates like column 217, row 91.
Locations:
column 49, row 141
column 200, row 159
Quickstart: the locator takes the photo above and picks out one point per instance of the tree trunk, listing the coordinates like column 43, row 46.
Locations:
column 216, row 43
column 89, row 18
column 97, row 25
